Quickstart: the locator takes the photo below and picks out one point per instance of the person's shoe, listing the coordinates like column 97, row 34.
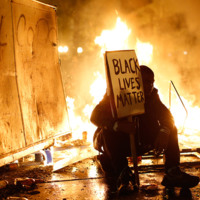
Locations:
column 176, row 178
column 126, row 175
column 125, row 189
column 126, row 181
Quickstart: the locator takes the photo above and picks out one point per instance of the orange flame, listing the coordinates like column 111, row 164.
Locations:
column 78, row 125
column 114, row 39
column 144, row 52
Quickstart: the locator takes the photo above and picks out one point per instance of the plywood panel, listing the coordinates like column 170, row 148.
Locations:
column 11, row 128
column 39, row 79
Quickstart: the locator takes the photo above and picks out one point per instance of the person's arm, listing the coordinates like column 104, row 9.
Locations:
column 102, row 115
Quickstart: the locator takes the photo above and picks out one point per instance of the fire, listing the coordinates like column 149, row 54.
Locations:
column 186, row 122
column 114, row 39
column 144, row 52
column 78, row 124
column 98, row 88
column 117, row 39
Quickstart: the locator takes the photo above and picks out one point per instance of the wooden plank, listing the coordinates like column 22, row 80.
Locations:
column 25, row 151
column 72, row 155
column 39, row 80
column 11, row 128
column 35, row 4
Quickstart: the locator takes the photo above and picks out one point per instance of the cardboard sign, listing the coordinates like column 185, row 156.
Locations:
column 124, row 83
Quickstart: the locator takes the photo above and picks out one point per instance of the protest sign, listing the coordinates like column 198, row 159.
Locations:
column 124, row 83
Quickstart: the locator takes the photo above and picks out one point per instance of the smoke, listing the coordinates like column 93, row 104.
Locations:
column 172, row 27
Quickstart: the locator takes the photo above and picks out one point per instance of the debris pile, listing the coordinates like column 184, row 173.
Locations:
column 24, row 180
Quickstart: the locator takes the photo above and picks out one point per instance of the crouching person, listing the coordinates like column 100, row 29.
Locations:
column 156, row 131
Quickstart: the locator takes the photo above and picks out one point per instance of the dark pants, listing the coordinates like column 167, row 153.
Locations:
column 117, row 148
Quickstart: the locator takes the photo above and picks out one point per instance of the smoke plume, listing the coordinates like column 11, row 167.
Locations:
column 172, row 27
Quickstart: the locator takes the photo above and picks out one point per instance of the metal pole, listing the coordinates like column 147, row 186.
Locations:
column 180, row 101
column 134, row 154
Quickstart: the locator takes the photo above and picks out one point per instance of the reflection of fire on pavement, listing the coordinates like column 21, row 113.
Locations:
column 149, row 163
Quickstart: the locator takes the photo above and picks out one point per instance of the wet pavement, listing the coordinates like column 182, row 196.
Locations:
column 84, row 180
